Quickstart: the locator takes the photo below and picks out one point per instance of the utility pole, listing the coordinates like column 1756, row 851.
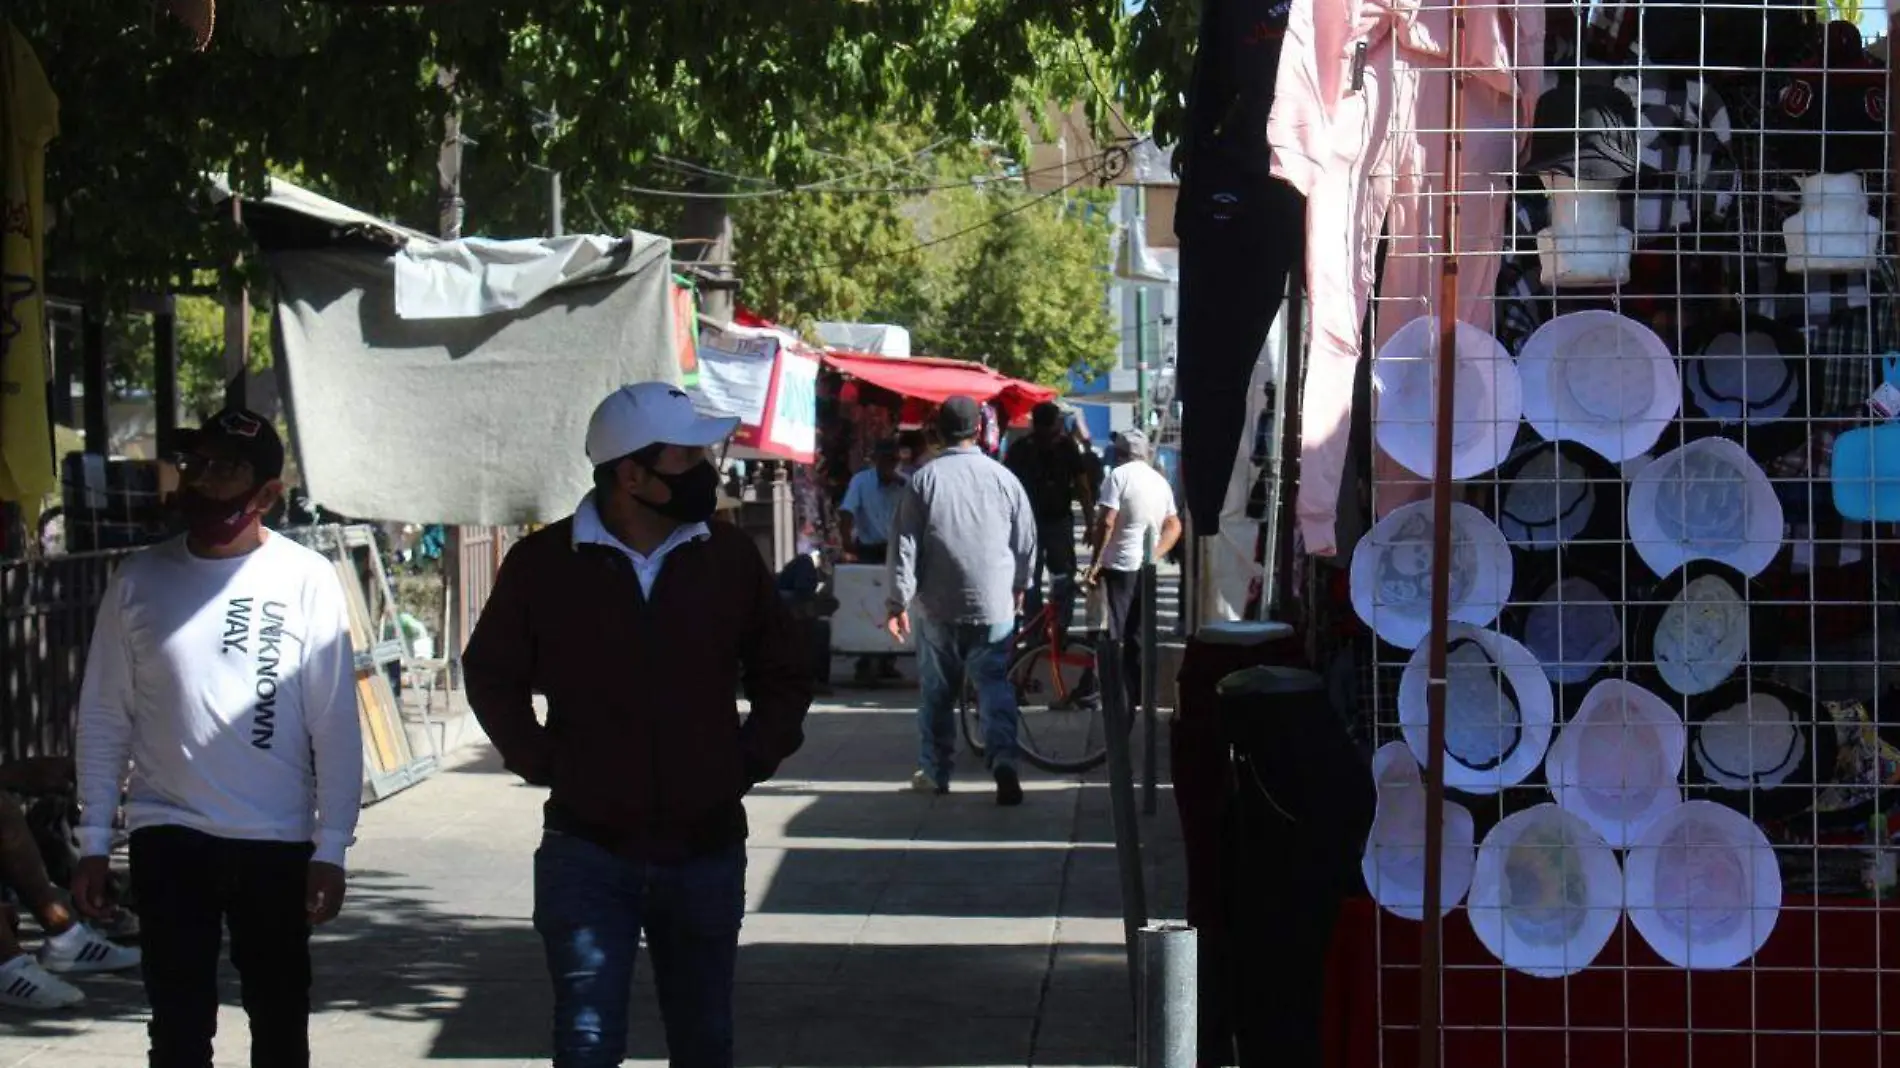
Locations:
column 1141, row 318
column 706, row 245
column 452, row 210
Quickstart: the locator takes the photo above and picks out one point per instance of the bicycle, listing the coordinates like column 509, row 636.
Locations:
column 1061, row 727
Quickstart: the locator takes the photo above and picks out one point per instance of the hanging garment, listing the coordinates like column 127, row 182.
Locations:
column 1240, row 232
column 1358, row 128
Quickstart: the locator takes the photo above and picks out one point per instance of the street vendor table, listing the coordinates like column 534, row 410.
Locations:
column 1770, row 1013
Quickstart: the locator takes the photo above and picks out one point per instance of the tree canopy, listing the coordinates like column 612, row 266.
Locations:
column 952, row 245
column 351, row 100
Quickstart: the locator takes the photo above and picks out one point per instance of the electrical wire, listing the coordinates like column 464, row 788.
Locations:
column 1110, row 155
column 946, row 238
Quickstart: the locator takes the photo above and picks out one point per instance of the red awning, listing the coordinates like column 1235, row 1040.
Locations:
column 935, row 381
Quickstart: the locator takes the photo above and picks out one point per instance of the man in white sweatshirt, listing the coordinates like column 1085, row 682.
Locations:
column 221, row 671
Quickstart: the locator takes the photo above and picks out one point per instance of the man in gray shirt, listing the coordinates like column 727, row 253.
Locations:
column 961, row 544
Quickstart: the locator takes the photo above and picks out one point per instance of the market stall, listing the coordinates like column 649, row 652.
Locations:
column 1575, row 741
column 864, row 399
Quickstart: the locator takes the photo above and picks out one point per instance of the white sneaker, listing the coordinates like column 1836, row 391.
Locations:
column 26, row 985
column 82, row 950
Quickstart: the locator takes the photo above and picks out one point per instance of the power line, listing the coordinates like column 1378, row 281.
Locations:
column 1098, row 161
column 966, row 231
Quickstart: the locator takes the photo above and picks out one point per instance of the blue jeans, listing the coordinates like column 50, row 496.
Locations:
column 591, row 906
column 944, row 653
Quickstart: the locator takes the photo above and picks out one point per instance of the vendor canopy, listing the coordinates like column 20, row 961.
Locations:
column 476, row 419
column 938, row 380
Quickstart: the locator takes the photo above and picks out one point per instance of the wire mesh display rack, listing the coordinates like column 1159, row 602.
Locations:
column 1630, row 667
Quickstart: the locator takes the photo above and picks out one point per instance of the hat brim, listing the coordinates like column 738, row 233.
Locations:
column 1615, row 439
column 1641, row 873
column 1762, row 539
column 1586, row 853
column 704, row 431
column 1535, row 709
column 1798, row 790
column 1404, row 421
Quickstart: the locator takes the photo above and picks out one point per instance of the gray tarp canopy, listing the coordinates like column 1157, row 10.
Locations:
column 476, row 419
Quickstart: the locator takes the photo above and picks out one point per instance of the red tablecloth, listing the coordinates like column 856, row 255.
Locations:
column 1824, row 992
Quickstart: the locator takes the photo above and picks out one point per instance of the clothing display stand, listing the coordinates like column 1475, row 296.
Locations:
column 390, row 763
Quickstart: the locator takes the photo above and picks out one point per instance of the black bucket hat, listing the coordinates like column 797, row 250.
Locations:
column 1747, row 382
column 1552, row 494
column 1700, row 628
column 1584, row 131
column 1757, row 745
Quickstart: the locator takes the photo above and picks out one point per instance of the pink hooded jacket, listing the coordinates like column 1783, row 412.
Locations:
column 1358, row 114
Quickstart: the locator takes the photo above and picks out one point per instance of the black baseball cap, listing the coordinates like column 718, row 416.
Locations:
column 240, row 434
column 959, row 419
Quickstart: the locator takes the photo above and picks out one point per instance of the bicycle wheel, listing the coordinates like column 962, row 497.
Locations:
column 1061, row 727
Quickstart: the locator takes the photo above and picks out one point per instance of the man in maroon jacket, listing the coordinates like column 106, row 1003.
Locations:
column 638, row 620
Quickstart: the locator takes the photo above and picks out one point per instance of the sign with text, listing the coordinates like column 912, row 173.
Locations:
column 770, row 382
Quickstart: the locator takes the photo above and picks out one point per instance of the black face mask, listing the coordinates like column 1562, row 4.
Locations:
column 695, row 494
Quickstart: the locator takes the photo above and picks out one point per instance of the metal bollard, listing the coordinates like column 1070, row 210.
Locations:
column 1168, row 1019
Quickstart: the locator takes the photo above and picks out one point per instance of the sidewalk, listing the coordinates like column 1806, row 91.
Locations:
column 883, row 928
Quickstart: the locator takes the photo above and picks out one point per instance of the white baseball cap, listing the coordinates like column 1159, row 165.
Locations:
column 647, row 413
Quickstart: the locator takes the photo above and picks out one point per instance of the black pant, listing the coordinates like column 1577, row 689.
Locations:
column 871, row 554
column 1055, row 553
column 1242, row 234
column 189, row 887
column 1122, row 590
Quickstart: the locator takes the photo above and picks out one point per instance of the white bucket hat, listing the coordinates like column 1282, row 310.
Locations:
column 1705, row 501
column 1616, row 763
column 1546, row 895
column 1602, row 380
column 1703, row 887
column 1394, row 861
column 1487, row 401
column 1391, row 576
column 1498, row 709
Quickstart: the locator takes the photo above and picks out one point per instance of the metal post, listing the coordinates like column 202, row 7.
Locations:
column 1121, row 796
column 92, row 333
column 165, row 372
column 1431, row 945
column 557, row 227
column 1150, row 685
column 451, row 212
column 1167, row 1022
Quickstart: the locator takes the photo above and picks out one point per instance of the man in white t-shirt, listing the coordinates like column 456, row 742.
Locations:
column 222, row 673
column 1136, row 508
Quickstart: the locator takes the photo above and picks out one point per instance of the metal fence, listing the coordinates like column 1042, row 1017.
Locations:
column 47, row 608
